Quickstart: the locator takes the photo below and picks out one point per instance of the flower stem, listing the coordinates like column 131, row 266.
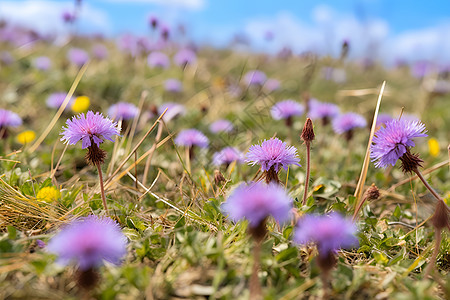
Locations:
column 308, row 170
column 255, row 285
column 431, row 265
column 427, row 185
column 102, row 189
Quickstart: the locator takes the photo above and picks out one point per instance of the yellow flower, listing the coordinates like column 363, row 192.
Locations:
column 48, row 194
column 81, row 104
column 26, row 137
column 433, row 146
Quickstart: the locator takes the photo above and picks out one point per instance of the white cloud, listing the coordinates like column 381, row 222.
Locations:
column 188, row 4
column 45, row 16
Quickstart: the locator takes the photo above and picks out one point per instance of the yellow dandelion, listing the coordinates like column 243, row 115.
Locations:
column 81, row 104
column 433, row 146
column 26, row 137
column 48, row 194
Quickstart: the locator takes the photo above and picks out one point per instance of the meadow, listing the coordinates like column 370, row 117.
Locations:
column 167, row 196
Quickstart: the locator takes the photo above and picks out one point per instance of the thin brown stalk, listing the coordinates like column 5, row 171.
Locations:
column 308, row 171
column 425, row 172
column 102, row 190
column 427, row 185
column 255, row 285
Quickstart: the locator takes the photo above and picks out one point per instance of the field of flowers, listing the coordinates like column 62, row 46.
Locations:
column 146, row 167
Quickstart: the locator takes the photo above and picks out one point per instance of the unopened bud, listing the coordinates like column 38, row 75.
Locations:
column 308, row 131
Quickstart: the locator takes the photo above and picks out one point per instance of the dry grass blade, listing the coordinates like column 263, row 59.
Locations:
column 123, row 173
column 60, row 110
column 134, row 149
column 365, row 166
column 25, row 213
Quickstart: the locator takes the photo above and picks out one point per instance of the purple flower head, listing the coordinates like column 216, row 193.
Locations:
column 40, row 243
column 221, row 126
column 383, row 119
column 421, row 69
column 173, row 110
column 153, row 21
column 56, row 99
column 9, row 119
column 272, row 153
column 173, row 85
column 191, row 137
column 88, row 241
column 329, row 232
column 321, row 110
column 286, row 109
column 78, row 56
column 227, row 155
column 68, row 17
column 272, row 85
column 123, row 110
column 392, row 141
column 255, row 77
column 256, row 201
column 165, row 32
column 100, row 51
column 158, row 60
column 349, row 121
column 185, row 57
column 42, row 63
column 88, row 128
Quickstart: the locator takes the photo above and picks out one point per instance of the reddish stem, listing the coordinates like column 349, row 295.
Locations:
column 308, row 170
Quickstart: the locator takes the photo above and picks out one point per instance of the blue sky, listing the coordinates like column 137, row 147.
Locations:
column 385, row 29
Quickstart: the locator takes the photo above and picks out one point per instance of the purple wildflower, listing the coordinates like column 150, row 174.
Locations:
column 286, row 109
column 255, row 77
column 123, row 110
column 322, row 110
column 9, row 119
column 347, row 122
column 272, row 153
column 330, row 232
column 185, row 57
column 153, row 21
column 165, row 32
column 42, row 63
column 89, row 128
column 127, row 43
column 221, row 126
column 56, row 99
column 191, row 137
column 227, row 155
column 158, row 60
column 173, row 85
column 173, row 110
column 78, row 56
column 88, row 241
column 40, row 243
column 68, row 17
column 256, row 201
column 394, row 140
